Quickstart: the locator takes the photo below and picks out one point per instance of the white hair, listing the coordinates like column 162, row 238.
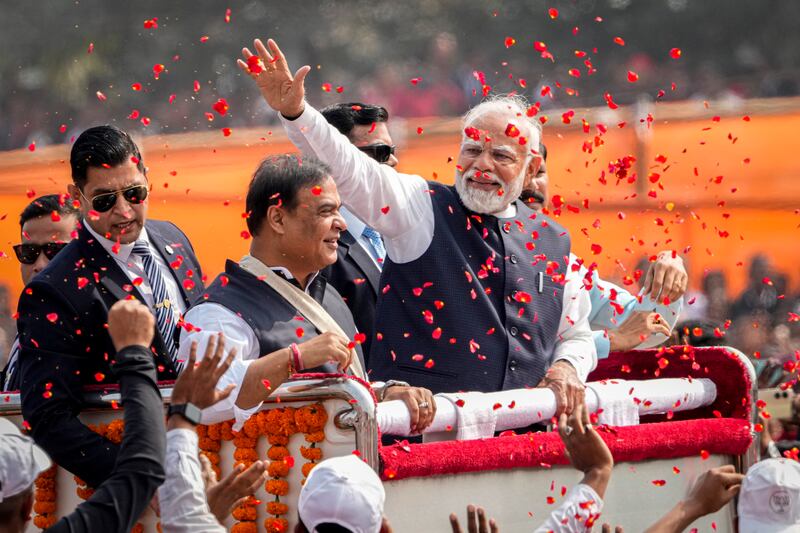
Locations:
column 514, row 104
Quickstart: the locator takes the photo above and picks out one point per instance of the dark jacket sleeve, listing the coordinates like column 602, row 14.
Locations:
column 52, row 369
column 118, row 503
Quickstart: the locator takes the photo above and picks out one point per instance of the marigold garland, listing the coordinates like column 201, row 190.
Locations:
column 112, row 431
column 44, row 499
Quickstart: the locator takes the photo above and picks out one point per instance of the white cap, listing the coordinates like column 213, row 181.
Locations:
column 343, row 491
column 769, row 501
column 21, row 460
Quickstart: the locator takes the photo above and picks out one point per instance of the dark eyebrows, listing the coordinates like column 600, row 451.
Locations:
column 328, row 204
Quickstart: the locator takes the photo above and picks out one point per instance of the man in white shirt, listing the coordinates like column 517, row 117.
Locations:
column 502, row 310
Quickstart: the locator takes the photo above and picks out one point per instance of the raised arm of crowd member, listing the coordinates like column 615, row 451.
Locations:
column 184, row 507
column 710, row 492
column 588, row 453
column 584, row 502
column 118, row 502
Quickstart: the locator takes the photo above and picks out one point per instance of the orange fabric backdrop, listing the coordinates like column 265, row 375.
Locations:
column 206, row 195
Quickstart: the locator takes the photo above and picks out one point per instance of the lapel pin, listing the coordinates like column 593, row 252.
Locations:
column 541, row 282
column 169, row 250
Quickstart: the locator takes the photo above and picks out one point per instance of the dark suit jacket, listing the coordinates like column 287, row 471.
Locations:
column 356, row 278
column 65, row 345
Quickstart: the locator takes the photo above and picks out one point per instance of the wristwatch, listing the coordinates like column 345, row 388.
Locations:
column 189, row 411
column 381, row 392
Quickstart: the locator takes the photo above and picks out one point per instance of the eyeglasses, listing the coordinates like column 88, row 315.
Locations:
column 27, row 254
column 379, row 152
column 101, row 203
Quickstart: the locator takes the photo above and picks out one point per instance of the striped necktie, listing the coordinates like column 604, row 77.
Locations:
column 165, row 317
column 374, row 238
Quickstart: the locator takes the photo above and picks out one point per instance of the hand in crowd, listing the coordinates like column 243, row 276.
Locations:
column 130, row 323
column 635, row 330
column 420, row 402
column 710, row 492
column 563, row 380
column 666, row 278
column 476, row 521
column 223, row 496
column 607, row 529
column 586, row 450
column 282, row 91
column 197, row 383
column 325, row 348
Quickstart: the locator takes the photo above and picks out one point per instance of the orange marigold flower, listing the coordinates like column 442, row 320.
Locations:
column 277, row 508
column 245, row 512
column 44, row 521
column 209, row 445
column 202, row 431
column 85, row 493
column 276, row 525
column 277, row 453
column 211, row 456
column 226, row 431
column 245, row 454
column 311, row 418
column 307, row 467
column 213, row 432
column 278, row 469
column 244, row 527
column 243, row 441
column 45, row 495
column 40, row 507
column 278, row 440
column 312, row 454
column 277, row 487
column 318, row 436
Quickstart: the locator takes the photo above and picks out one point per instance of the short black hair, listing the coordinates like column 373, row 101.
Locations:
column 543, row 151
column 46, row 205
column 276, row 181
column 346, row 116
column 102, row 146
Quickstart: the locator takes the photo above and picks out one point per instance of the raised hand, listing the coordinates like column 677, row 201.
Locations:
column 476, row 522
column 586, row 450
column 234, row 489
column 197, row 384
column 283, row 92
column 325, row 348
column 130, row 323
column 666, row 278
column 636, row 329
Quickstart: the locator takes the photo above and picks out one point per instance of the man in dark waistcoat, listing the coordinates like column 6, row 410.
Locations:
column 293, row 216
column 476, row 293
column 117, row 254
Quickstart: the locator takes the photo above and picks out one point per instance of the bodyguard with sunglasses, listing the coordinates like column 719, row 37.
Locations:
column 357, row 272
column 63, row 311
column 47, row 225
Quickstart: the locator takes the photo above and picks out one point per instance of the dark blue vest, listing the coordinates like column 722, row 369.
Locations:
column 480, row 309
column 275, row 321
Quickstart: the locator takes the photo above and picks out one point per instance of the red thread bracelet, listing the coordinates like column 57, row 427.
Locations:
column 297, row 358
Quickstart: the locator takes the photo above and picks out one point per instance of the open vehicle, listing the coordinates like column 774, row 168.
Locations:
column 695, row 408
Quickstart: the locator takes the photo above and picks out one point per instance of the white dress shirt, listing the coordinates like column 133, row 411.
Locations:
column 581, row 503
column 182, row 497
column 209, row 319
column 133, row 267
column 366, row 186
column 356, row 227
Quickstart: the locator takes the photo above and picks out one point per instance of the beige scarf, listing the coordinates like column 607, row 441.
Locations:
column 300, row 300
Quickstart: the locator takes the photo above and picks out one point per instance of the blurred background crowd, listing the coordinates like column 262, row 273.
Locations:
column 371, row 50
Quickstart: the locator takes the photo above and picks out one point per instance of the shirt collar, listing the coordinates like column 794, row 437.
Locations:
column 124, row 251
column 354, row 225
column 284, row 272
column 509, row 212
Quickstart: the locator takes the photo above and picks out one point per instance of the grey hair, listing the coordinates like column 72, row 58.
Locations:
column 508, row 103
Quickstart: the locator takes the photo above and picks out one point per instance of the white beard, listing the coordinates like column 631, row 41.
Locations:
column 487, row 202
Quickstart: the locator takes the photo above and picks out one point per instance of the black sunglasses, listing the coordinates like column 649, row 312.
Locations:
column 379, row 152
column 106, row 201
column 27, row 254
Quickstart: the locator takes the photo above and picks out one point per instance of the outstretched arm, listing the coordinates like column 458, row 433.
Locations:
column 397, row 205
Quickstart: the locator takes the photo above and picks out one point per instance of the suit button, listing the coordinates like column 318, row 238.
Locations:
column 506, row 227
column 512, row 365
column 513, row 330
column 513, row 259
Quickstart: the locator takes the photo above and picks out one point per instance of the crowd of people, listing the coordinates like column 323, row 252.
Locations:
column 353, row 268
